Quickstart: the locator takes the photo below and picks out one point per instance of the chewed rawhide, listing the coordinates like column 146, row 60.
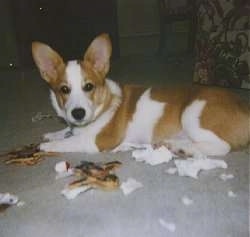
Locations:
column 26, row 155
column 96, row 175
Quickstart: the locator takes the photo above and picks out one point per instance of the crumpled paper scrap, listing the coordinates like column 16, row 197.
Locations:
column 231, row 194
column 187, row 201
column 153, row 156
column 130, row 185
column 73, row 193
column 191, row 167
column 7, row 198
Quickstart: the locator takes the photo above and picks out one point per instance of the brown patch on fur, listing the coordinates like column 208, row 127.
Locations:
column 170, row 122
column 227, row 115
column 114, row 132
column 92, row 75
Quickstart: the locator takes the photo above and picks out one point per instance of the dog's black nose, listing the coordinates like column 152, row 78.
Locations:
column 78, row 113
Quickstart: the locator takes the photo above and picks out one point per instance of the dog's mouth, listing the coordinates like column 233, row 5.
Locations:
column 77, row 123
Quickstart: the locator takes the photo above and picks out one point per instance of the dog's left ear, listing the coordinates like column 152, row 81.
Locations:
column 98, row 54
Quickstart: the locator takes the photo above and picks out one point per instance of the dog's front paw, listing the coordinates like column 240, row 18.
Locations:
column 64, row 145
column 59, row 135
column 47, row 147
column 53, row 146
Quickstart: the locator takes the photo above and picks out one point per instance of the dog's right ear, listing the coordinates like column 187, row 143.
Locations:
column 47, row 60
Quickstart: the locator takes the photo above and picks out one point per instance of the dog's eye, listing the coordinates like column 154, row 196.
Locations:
column 65, row 89
column 88, row 87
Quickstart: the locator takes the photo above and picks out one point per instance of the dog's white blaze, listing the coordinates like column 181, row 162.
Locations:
column 205, row 140
column 77, row 97
column 147, row 114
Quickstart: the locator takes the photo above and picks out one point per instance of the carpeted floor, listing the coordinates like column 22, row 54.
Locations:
column 112, row 214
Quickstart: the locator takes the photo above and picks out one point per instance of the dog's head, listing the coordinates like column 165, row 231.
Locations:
column 78, row 89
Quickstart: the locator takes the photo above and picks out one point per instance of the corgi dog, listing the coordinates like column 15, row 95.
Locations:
column 104, row 116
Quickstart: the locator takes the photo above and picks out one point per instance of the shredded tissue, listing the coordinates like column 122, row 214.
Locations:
column 7, row 198
column 190, row 167
column 130, row 185
column 153, row 156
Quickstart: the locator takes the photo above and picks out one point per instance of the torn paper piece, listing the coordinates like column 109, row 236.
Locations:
column 7, row 198
column 231, row 194
column 171, row 170
column 153, row 156
column 187, row 201
column 73, row 193
column 130, row 185
column 168, row 225
column 191, row 167
column 63, row 169
column 21, row 204
column 226, row 177
column 62, row 166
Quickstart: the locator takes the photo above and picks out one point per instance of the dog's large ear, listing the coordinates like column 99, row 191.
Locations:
column 98, row 54
column 47, row 60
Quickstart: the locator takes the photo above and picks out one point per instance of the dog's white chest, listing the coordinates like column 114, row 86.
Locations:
column 147, row 114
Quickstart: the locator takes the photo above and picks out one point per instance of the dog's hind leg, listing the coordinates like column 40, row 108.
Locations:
column 204, row 140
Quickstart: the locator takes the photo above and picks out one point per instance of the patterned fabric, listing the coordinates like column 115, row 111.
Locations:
column 223, row 43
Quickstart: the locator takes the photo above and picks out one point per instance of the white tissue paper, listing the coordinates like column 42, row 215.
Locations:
column 226, row 177
column 231, row 194
column 168, row 225
column 187, row 201
column 153, row 156
column 63, row 169
column 7, row 198
column 191, row 167
column 130, row 185
column 73, row 193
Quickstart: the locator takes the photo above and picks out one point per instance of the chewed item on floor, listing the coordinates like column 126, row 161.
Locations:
column 226, row 177
column 7, row 200
column 170, row 226
column 231, row 194
column 130, row 185
column 26, row 155
column 90, row 176
column 191, row 167
column 87, row 168
column 187, row 201
column 153, row 156
column 40, row 116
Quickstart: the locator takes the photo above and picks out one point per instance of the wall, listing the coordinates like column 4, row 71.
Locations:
column 138, row 22
column 8, row 50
